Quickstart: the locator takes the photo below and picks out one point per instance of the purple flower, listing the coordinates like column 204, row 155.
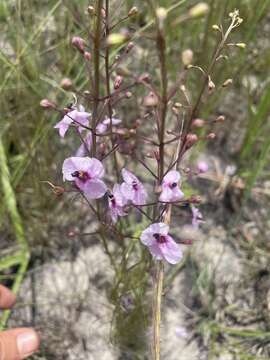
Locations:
column 104, row 125
column 132, row 188
column 160, row 244
column 86, row 173
column 197, row 217
column 85, row 148
column 116, row 203
column 79, row 116
column 170, row 190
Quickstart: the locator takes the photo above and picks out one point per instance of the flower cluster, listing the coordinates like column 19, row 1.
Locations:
column 87, row 175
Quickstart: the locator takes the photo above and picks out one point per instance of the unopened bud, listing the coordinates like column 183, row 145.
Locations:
column 202, row 167
column 66, row 84
column 91, row 10
column 117, row 82
column 220, row 118
column 58, row 190
column 132, row 132
column 187, row 57
column 133, row 11
column 130, row 46
column 198, row 10
column 128, row 94
column 161, row 14
column 241, row 45
column 78, row 43
column 103, row 13
column 227, row 82
column 150, row 100
column 211, row 85
column 215, row 27
column 178, row 105
column 211, row 136
column 86, row 92
column 198, row 123
column 116, row 39
column 191, row 139
column 87, row 55
column 47, row 104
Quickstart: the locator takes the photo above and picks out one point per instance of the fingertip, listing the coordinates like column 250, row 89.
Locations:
column 7, row 298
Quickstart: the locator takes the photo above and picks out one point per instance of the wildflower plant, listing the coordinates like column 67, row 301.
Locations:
column 130, row 173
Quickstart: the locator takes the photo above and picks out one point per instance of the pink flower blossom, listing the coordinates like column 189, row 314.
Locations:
column 197, row 217
column 105, row 124
column 170, row 190
column 202, row 167
column 161, row 245
column 79, row 117
column 102, row 127
column 132, row 188
column 85, row 148
column 116, row 203
column 86, row 173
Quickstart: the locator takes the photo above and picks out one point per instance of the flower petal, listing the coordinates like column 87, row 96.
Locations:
column 165, row 194
column 171, row 251
column 127, row 191
column 94, row 189
column 155, row 251
column 128, row 176
column 73, row 164
column 171, row 177
column 140, row 196
column 120, row 199
column 95, row 169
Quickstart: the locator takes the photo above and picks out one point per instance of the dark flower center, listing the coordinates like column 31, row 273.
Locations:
column 135, row 185
column 173, row 185
column 82, row 175
column 161, row 239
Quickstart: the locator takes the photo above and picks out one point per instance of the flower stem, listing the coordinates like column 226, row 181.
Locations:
column 157, row 309
column 96, row 53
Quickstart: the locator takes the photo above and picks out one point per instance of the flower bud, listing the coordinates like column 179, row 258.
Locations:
column 116, row 39
column 215, row 27
column 161, row 13
column 211, row 85
column 78, row 43
column 198, row 123
column 150, row 100
column 191, row 139
column 198, row 10
column 91, row 10
column 133, row 11
column 241, row 45
column 211, row 136
column 128, row 94
column 202, row 167
column 220, row 118
column 58, row 190
column 87, row 55
column 103, row 13
column 187, row 57
column 66, row 84
column 227, row 82
column 47, row 104
column 117, row 82
column 129, row 47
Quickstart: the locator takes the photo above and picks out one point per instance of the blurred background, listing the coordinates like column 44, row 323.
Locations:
column 218, row 300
